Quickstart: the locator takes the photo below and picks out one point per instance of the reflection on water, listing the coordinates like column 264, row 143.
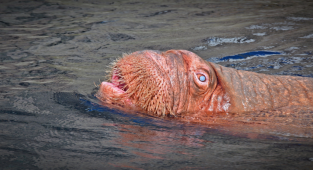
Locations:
column 52, row 52
column 248, row 55
column 81, row 134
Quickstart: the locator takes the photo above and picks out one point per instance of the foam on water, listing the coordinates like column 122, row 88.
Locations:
column 308, row 36
column 268, row 47
column 252, row 27
column 299, row 18
column 292, row 48
column 260, row 33
column 199, row 48
column 282, row 28
column 214, row 41
column 278, row 26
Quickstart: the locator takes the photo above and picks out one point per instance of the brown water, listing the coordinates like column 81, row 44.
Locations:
column 52, row 52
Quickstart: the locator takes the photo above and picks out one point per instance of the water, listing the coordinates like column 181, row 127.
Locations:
column 243, row 56
column 52, row 53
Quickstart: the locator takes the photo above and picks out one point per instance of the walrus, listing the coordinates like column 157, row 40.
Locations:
column 177, row 83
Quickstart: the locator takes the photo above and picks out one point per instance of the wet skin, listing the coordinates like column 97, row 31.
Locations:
column 179, row 83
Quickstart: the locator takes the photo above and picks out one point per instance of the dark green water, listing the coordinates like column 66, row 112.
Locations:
column 52, row 52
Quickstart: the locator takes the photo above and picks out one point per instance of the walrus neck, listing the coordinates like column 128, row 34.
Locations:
column 249, row 91
column 219, row 101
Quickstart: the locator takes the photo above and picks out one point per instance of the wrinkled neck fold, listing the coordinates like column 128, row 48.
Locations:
column 249, row 91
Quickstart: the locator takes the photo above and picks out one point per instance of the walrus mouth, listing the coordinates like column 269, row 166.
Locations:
column 117, row 80
column 113, row 90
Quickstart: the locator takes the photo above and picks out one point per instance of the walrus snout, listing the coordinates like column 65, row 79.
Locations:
column 140, row 79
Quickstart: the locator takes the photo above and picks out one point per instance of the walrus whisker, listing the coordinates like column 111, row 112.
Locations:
column 95, row 84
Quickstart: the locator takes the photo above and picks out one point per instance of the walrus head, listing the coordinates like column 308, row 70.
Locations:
column 161, row 83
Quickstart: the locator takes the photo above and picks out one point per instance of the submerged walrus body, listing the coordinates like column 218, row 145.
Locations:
column 179, row 83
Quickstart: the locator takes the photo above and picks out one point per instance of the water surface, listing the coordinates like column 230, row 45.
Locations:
column 52, row 53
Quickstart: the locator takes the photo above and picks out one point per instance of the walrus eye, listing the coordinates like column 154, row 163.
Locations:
column 202, row 78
